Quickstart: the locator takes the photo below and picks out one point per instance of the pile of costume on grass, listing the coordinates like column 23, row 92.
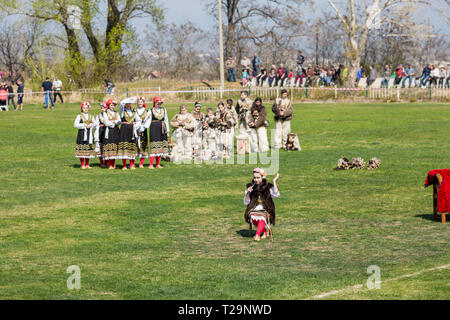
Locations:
column 357, row 163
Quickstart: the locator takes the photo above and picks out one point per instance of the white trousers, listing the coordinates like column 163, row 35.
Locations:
column 258, row 140
column 183, row 147
column 210, row 142
column 282, row 129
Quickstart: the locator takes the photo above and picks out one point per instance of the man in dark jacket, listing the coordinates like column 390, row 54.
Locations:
column 11, row 96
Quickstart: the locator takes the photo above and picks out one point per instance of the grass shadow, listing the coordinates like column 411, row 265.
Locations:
column 245, row 233
column 429, row 216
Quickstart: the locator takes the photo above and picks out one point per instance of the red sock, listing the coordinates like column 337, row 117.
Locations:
column 101, row 161
column 152, row 159
column 142, row 161
column 86, row 161
column 158, row 159
column 82, row 162
column 113, row 162
column 261, row 225
column 124, row 162
column 132, row 163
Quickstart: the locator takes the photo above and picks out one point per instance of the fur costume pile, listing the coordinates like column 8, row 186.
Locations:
column 357, row 163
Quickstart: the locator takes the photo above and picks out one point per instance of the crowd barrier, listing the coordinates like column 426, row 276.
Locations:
column 267, row 93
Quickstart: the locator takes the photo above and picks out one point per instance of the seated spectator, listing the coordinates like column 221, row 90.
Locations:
column 447, row 81
column 398, row 75
column 372, row 75
column 330, row 75
column 386, row 77
column 310, row 77
column 442, row 76
column 408, row 74
column 262, row 76
column 323, row 76
column 109, row 85
column 434, row 76
column 272, row 75
column 316, row 70
column 281, row 76
column 425, row 76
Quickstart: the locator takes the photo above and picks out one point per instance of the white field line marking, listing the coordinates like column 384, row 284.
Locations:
column 360, row 286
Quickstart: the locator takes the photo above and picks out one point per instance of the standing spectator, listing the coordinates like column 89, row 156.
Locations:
column 256, row 63
column 244, row 77
column 230, row 65
column 299, row 74
column 11, row 96
column 57, row 87
column 300, row 59
column 372, row 75
column 408, row 75
column 246, row 63
column 398, row 75
column 47, row 87
column 338, row 75
column 20, row 90
column 359, row 75
column 109, row 85
column 71, row 81
column 425, row 76
column 386, row 77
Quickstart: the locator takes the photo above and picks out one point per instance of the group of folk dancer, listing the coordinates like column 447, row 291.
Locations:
column 131, row 133
column 144, row 133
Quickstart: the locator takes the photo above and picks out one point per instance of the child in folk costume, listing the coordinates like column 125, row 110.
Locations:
column 260, row 207
column 127, row 148
column 111, row 139
column 242, row 109
column 142, row 132
column 230, row 140
column 159, row 132
column 85, row 124
column 282, row 110
column 257, row 122
column 183, row 123
column 224, row 124
column 198, row 129
column 210, row 135
column 99, row 135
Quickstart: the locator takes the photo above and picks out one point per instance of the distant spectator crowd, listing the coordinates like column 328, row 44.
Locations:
column 255, row 73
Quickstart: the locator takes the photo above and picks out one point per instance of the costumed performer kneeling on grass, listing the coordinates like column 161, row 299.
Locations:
column 260, row 207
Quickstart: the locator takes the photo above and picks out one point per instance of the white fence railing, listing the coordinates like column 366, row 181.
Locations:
column 296, row 93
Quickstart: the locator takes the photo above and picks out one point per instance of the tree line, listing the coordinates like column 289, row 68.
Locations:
column 89, row 41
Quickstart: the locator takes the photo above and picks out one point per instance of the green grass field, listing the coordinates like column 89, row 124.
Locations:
column 179, row 233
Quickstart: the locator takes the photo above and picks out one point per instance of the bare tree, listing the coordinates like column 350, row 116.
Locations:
column 359, row 18
column 16, row 48
column 254, row 22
